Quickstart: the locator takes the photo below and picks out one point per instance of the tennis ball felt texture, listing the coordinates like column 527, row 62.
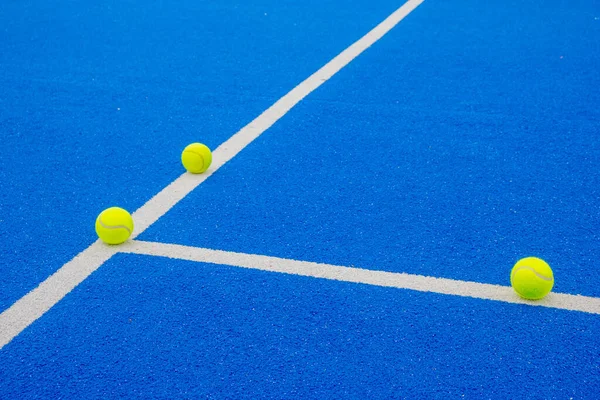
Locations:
column 114, row 225
column 196, row 158
column 532, row 278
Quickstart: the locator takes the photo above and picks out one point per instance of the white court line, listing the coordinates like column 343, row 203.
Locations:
column 34, row 304
column 172, row 194
column 357, row 275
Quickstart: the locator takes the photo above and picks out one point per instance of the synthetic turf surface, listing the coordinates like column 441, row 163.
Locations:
column 97, row 102
column 452, row 148
column 170, row 329
column 463, row 140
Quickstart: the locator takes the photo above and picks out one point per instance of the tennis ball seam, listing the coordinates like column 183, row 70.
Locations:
column 202, row 160
column 113, row 226
column 546, row 278
column 193, row 152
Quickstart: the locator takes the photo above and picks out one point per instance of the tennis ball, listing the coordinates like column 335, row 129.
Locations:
column 532, row 278
column 114, row 225
column 196, row 158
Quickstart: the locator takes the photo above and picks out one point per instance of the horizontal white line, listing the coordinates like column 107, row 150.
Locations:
column 357, row 275
column 34, row 304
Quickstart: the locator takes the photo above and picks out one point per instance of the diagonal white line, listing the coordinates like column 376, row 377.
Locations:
column 34, row 304
column 357, row 275
column 172, row 194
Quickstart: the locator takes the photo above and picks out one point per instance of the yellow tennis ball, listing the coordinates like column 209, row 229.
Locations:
column 532, row 278
column 196, row 158
column 114, row 225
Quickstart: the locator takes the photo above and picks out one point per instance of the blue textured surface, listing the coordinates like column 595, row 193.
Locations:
column 97, row 102
column 463, row 140
column 454, row 147
column 157, row 328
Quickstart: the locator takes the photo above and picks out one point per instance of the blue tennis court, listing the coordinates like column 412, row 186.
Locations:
column 378, row 169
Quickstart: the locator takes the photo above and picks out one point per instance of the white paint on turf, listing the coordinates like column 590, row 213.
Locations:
column 172, row 194
column 34, row 304
column 357, row 275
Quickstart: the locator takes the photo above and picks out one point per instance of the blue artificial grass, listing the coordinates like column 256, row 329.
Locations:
column 462, row 141
column 452, row 148
column 147, row 327
column 98, row 100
